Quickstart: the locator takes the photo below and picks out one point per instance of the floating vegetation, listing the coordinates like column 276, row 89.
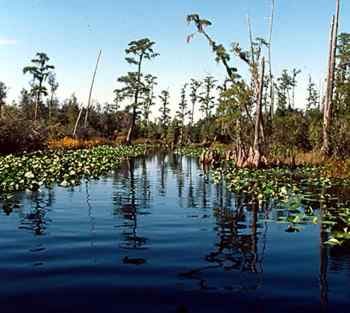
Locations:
column 295, row 191
column 190, row 151
column 337, row 222
column 66, row 168
column 265, row 184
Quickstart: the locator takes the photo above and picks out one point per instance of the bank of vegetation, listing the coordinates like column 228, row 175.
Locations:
column 256, row 119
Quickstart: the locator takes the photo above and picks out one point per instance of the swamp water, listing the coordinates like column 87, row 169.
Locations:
column 157, row 235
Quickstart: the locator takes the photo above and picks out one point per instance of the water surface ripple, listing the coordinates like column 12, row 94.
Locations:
column 157, row 235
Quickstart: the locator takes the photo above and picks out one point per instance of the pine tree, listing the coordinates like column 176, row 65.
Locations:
column 149, row 97
column 295, row 73
column 284, row 87
column 182, row 112
column 40, row 71
column 164, row 110
column 206, row 99
column 194, row 95
column 137, row 52
column 312, row 100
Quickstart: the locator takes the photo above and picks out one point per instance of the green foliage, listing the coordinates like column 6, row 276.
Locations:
column 313, row 97
column 189, row 151
column 283, row 87
column 173, row 132
column 206, row 99
column 342, row 76
column 340, row 136
column 139, row 49
column 182, row 112
column 3, row 95
column 337, row 223
column 149, row 99
column 233, row 97
column 134, row 87
column 40, row 71
column 18, row 135
column 164, row 118
column 66, row 168
column 195, row 85
column 290, row 132
column 221, row 55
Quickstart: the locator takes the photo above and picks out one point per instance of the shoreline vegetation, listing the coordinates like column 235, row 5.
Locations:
column 308, row 193
column 66, row 168
column 256, row 116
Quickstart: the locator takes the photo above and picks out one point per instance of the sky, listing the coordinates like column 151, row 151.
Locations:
column 71, row 32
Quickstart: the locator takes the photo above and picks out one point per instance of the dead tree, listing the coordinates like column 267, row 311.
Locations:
column 328, row 105
column 89, row 99
column 255, row 155
column 91, row 88
column 271, row 91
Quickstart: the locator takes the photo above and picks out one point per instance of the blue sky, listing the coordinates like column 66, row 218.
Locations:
column 72, row 31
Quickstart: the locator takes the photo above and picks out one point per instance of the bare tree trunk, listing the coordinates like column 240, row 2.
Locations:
column 134, row 109
column 50, row 108
column 327, row 112
column 77, row 122
column 132, row 127
column 37, row 99
column 251, row 41
column 272, row 100
column 91, row 88
column 258, row 120
column 241, row 155
column 254, row 70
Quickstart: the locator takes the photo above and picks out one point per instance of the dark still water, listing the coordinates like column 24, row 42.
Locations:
column 159, row 236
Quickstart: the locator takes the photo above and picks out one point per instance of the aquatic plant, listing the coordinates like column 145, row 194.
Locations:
column 337, row 224
column 295, row 191
column 66, row 168
column 190, row 151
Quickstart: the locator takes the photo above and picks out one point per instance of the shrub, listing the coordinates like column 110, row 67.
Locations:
column 18, row 136
column 68, row 143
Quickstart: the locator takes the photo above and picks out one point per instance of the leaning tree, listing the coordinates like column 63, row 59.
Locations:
column 329, row 98
column 256, row 63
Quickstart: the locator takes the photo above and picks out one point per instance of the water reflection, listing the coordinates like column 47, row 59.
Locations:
column 34, row 216
column 131, row 201
column 236, row 227
column 236, row 249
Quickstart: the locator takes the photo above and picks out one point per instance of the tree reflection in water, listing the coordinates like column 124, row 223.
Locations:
column 36, row 220
column 236, row 249
column 235, row 256
column 162, row 161
column 131, row 201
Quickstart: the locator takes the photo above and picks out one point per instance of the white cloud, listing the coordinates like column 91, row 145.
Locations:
column 7, row 42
